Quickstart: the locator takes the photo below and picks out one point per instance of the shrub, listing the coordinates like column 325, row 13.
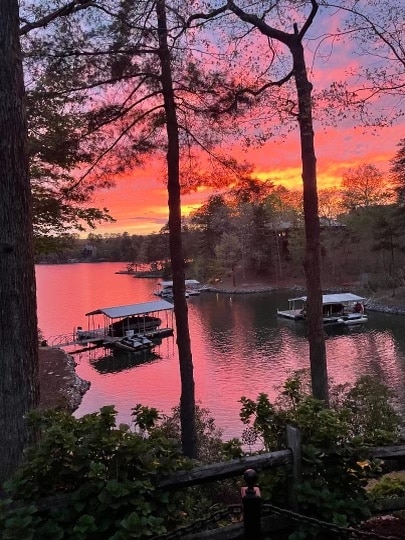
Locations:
column 334, row 440
column 388, row 487
column 198, row 500
column 88, row 479
column 210, row 447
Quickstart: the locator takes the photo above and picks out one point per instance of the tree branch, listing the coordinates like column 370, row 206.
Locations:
column 113, row 145
column 259, row 23
column 309, row 20
column 374, row 28
column 64, row 11
column 207, row 16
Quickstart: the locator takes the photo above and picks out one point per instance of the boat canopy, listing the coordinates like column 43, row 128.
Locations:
column 133, row 309
column 189, row 282
column 338, row 298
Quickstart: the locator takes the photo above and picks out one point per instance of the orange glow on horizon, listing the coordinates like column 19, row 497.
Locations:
column 139, row 202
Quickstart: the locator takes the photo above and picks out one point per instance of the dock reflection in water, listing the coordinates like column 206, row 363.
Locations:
column 108, row 361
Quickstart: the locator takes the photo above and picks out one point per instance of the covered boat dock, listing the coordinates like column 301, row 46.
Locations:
column 139, row 318
column 338, row 308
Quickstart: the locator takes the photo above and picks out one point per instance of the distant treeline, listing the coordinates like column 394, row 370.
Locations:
column 366, row 244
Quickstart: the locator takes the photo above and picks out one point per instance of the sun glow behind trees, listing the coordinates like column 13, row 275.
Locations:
column 337, row 64
column 277, row 161
column 331, row 59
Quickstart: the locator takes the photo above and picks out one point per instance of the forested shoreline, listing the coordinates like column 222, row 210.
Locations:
column 261, row 240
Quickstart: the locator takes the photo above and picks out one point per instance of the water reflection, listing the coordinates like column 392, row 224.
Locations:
column 116, row 360
column 239, row 346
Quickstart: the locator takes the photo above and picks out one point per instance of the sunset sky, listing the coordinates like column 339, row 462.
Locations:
column 139, row 201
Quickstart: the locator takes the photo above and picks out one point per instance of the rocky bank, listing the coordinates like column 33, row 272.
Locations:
column 60, row 386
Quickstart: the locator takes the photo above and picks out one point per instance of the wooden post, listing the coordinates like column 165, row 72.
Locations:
column 251, row 501
column 294, row 443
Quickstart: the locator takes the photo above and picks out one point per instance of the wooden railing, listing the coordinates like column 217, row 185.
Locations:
column 245, row 467
column 252, row 525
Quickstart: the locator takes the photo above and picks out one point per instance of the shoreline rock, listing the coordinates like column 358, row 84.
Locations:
column 252, row 288
column 392, row 310
column 77, row 387
column 60, row 386
column 236, row 290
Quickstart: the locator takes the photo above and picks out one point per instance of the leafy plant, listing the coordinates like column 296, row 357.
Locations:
column 372, row 417
column 388, row 487
column 89, row 479
column 334, row 475
column 199, row 500
column 210, row 447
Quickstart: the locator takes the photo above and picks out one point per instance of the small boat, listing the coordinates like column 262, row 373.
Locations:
column 134, row 342
column 193, row 292
column 165, row 288
column 341, row 309
column 138, row 323
column 193, row 287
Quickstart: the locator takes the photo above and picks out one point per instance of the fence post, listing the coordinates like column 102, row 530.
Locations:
column 294, row 443
column 251, row 502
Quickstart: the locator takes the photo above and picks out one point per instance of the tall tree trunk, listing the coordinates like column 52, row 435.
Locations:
column 312, row 263
column 187, row 399
column 19, row 386
column 316, row 336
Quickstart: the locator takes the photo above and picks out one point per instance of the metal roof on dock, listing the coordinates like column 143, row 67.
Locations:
column 133, row 309
column 334, row 298
column 187, row 282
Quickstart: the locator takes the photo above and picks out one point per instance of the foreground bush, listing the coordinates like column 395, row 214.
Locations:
column 89, row 479
column 335, row 441
column 389, row 487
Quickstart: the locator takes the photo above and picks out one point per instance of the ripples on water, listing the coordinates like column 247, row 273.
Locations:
column 239, row 346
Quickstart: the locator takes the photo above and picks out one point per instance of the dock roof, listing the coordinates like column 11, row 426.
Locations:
column 186, row 282
column 335, row 298
column 133, row 309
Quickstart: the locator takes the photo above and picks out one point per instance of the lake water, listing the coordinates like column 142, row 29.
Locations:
column 239, row 346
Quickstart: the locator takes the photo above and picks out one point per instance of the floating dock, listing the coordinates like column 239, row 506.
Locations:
column 293, row 314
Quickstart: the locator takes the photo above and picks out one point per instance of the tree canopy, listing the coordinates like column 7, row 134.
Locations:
column 365, row 186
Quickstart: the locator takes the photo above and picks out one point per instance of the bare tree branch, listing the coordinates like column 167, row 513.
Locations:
column 64, row 11
column 375, row 29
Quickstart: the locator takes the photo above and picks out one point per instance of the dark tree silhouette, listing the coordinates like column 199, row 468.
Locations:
column 187, row 398
column 19, row 386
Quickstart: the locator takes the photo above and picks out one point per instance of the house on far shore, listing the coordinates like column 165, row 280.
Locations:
column 89, row 252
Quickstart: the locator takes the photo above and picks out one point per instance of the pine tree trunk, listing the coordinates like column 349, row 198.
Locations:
column 312, row 263
column 19, row 386
column 316, row 335
column 187, row 399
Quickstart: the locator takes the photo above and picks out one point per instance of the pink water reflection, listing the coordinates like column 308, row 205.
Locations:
column 239, row 348
column 67, row 291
